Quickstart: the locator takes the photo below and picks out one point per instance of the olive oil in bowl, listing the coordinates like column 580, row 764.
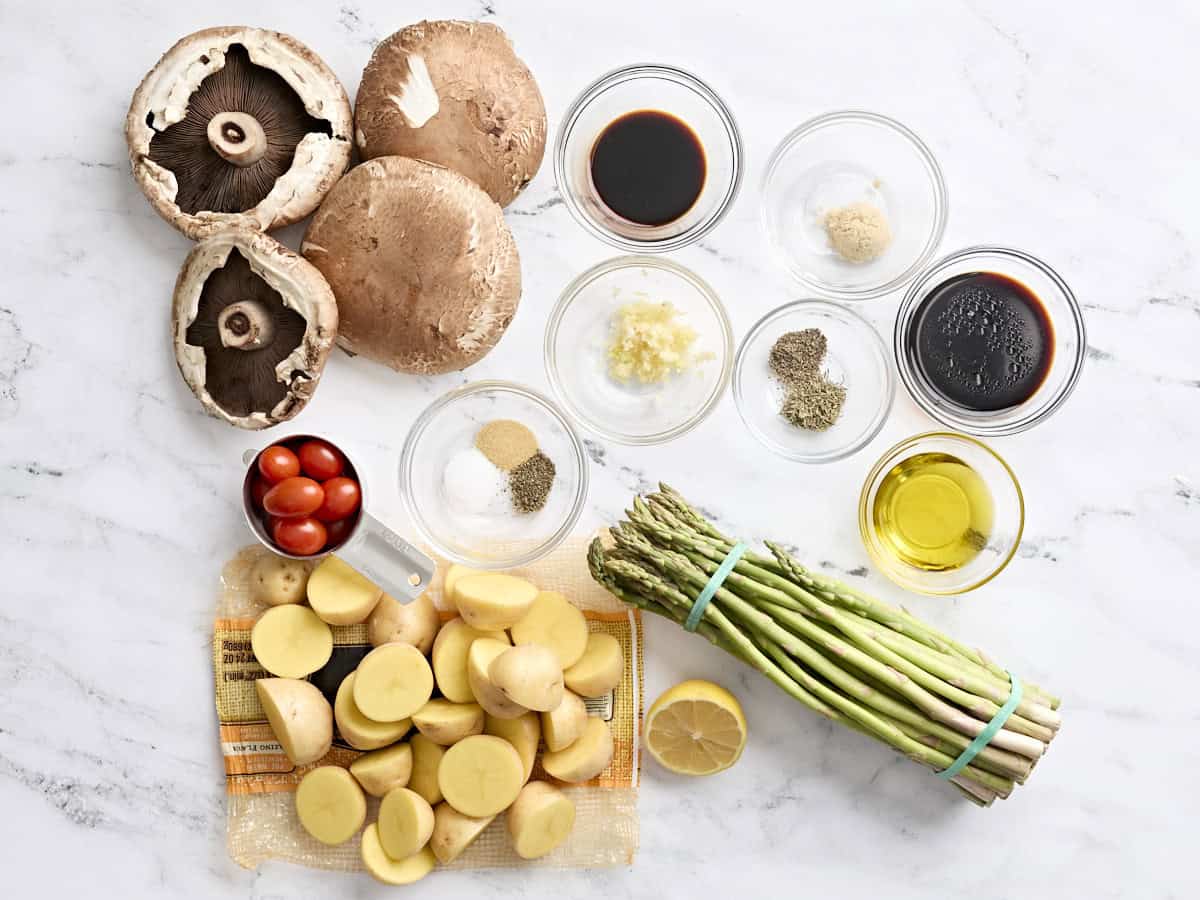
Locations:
column 933, row 511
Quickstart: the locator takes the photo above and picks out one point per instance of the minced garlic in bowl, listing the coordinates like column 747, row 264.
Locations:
column 649, row 343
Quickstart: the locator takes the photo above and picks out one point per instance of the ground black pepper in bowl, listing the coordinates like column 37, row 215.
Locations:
column 530, row 482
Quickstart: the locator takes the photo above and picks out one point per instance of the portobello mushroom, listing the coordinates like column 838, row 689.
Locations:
column 253, row 324
column 456, row 94
column 238, row 126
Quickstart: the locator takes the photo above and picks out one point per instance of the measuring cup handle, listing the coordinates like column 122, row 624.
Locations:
column 393, row 563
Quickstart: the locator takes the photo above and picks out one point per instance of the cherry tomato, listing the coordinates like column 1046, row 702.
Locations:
column 320, row 460
column 342, row 496
column 277, row 463
column 295, row 496
column 337, row 532
column 302, row 535
column 258, row 489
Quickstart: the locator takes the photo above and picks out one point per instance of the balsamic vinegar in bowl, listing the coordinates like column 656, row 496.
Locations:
column 648, row 167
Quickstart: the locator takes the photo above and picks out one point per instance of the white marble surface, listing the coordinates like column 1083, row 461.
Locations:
column 1063, row 128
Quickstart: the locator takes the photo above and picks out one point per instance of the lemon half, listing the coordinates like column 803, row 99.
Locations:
column 696, row 728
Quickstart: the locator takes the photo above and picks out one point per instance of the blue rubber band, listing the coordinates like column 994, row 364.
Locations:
column 710, row 589
column 989, row 731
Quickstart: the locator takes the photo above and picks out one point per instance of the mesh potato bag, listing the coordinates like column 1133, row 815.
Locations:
column 261, row 822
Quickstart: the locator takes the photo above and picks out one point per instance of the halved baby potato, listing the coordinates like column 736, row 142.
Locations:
column 453, row 832
column 586, row 758
column 493, row 601
column 392, row 682
column 449, row 658
column 330, row 804
column 600, row 668
column 291, row 641
column 299, row 715
column 540, row 819
column 356, row 729
column 446, row 723
column 481, row 775
column 554, row 622
column 382, row 770
column 479, row 660
column 394, row 871
column 523, row 733
column 339, row 594
column 564, row 724
column 405, row 823
column 528, row 675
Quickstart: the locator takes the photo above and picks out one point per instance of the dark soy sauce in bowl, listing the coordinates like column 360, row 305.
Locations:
column 648, row 167
column 983, row 340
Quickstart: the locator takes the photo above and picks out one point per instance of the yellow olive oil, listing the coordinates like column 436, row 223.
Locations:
column 933, row 511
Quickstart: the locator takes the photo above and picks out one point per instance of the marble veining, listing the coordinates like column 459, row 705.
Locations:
column 1062, row 128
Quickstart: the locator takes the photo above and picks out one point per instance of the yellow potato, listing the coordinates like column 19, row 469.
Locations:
column 454, row 573
column 381, row 770
column 394, row 871
column 599, row 669
column 276, row 580
column 356, row 729
column 330, row 804
column 290, row 641
column 493, row 601
column 479, row 659
column 563, row 725
column 528, row 675
column 413, row 623
column 553, row 622
column 448, row 723
column 540, row 819
column 392, row 683
column 299, row 715
column 453, row 832
column 449, row 658
column 339, row 595
column 523, row 733
column 586, row 758
column 481, row 775
column 405, row 823
column 427, row 759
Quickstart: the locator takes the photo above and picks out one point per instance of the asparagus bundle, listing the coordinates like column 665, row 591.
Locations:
column 868, row 665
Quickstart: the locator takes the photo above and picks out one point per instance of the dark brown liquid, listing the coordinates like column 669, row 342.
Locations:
column 648, row 167
column 983, row 341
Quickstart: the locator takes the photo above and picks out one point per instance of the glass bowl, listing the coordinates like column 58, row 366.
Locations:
column 1066, row 323
column 648, row 87
column 1008, row 515
column 842, row 158
column 577, row 336
column 856, row 357
column 498, row 538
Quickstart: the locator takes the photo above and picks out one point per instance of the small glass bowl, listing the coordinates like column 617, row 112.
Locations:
column 856, row 357
column 577, row 336
column 842, row 158
column 1066, row 322
column 654, row 87
column 1008, row 511
column 490, row 540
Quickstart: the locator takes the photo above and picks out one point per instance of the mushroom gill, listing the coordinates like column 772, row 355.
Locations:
column 241, row 379
column 251, row 105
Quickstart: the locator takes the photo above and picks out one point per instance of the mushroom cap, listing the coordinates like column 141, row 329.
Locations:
column 456, row 94
column 298, row 97
column 425, row 271
column 261, row 387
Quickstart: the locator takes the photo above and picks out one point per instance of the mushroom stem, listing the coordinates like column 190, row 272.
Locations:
column 237, row 137
column 246, row 325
